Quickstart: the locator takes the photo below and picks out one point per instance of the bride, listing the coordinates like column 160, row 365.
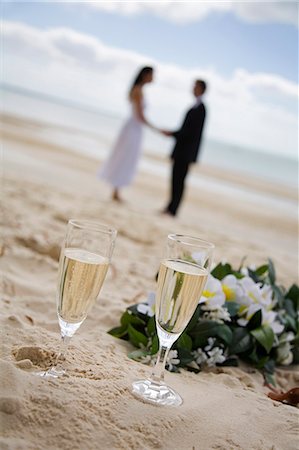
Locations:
column 121, row 165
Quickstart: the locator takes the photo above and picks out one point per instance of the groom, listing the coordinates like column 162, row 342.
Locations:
column 186, row 149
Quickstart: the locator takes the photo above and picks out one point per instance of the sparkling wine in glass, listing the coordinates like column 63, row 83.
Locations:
column 84, row 260
column 182, row 277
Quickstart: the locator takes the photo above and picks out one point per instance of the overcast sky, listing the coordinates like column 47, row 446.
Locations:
column 89, row 52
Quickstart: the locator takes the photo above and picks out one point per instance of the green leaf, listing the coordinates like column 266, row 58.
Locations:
column 242, row 263
column 253, row 356
column 291, row 324
column 128, row 318
column 289, row 307
column 151, row 326
column 265, row 336
column 185, row 356
column 194, row 319
column 202, row 331
column 269, row 378
column 138, row 354
column 270, row 366
column 136, row 337
column 221, row 270
column 232, row 308
column 133, row 309
column 261, row 270
column 225, row 333
column 262, row 362
column 208, row 328
column 271, row 271
column 278, row 295
column 253, row 275
column 232, row 362
column 255, row 321
column 295, row 352
column 241, row 341
column 118, row 332
column 293, row 294
column 184, row 341
column 155, row 345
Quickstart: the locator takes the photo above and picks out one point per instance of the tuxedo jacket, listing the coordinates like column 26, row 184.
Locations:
column 188, row 137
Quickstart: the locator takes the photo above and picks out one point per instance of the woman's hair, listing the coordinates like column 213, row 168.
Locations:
column 140, row 77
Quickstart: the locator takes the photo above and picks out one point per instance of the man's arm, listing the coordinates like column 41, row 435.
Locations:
column 193, row 119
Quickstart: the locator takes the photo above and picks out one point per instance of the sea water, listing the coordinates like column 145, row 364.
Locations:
column 92, row 132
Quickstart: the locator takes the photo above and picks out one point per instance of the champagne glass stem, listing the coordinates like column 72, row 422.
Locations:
column 63, row 347
column 58, row 367
column 159, row 368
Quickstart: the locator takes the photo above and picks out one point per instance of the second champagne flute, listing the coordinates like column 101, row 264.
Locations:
column 182, row 277
column 84, row 261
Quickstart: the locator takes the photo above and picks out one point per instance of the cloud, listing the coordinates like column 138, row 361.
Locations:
column 188, row 12
column 251, row 109
column 273, row 84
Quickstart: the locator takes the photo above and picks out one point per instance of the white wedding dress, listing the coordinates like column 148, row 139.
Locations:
column 120, row 167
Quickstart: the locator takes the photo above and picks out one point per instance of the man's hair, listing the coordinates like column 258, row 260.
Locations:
column 202, row 84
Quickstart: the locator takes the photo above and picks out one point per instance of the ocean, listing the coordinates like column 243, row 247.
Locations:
column 91, row 132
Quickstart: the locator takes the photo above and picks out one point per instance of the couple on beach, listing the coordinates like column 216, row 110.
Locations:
column 121, row 165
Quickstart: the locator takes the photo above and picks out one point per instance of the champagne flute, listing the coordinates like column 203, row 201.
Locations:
column 182, row 277
column 84, row 260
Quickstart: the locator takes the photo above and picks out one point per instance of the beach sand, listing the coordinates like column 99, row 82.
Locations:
column 43, row 186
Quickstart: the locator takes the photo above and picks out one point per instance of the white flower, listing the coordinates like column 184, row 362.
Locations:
column 213, row 295
column 251, row 291
column 247, row 313
column 284, row 354
column 218, row 314
column 231, row 288
column 257, row 297
column 254, row 293
column 200, row 356
column 146, row 359
column 211, row 342
column 172, row 359
column 286, row 337
column 244, row 271
column 147, row 308
column 209, row 356
column 215, row 356
column 266, row 296
column 269, row 319
column 199, row 258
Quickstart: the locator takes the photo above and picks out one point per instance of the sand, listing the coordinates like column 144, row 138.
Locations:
column 93, row 408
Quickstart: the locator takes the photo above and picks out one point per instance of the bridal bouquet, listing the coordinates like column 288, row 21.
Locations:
column 242, row 314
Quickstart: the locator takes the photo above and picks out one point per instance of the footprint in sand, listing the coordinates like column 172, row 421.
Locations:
column 60, row 217
column 40, row 246
column 12, row 390
column 137, row 239
column 9, row 405
column 37, row 356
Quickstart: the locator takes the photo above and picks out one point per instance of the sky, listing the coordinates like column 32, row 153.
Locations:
column 89, row 52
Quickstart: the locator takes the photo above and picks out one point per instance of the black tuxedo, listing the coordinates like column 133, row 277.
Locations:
column 185, row 152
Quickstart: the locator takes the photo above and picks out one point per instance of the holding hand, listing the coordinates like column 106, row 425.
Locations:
column 166, row 132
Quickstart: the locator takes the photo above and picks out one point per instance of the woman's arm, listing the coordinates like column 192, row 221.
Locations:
column 137, row 98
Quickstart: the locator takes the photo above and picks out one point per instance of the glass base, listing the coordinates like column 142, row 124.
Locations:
column 157, row 393
column 53, row 372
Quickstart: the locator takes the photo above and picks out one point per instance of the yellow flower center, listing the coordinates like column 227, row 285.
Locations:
column 229, row 293
column 251, row 295
column 242, row 309
column 208, row 294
